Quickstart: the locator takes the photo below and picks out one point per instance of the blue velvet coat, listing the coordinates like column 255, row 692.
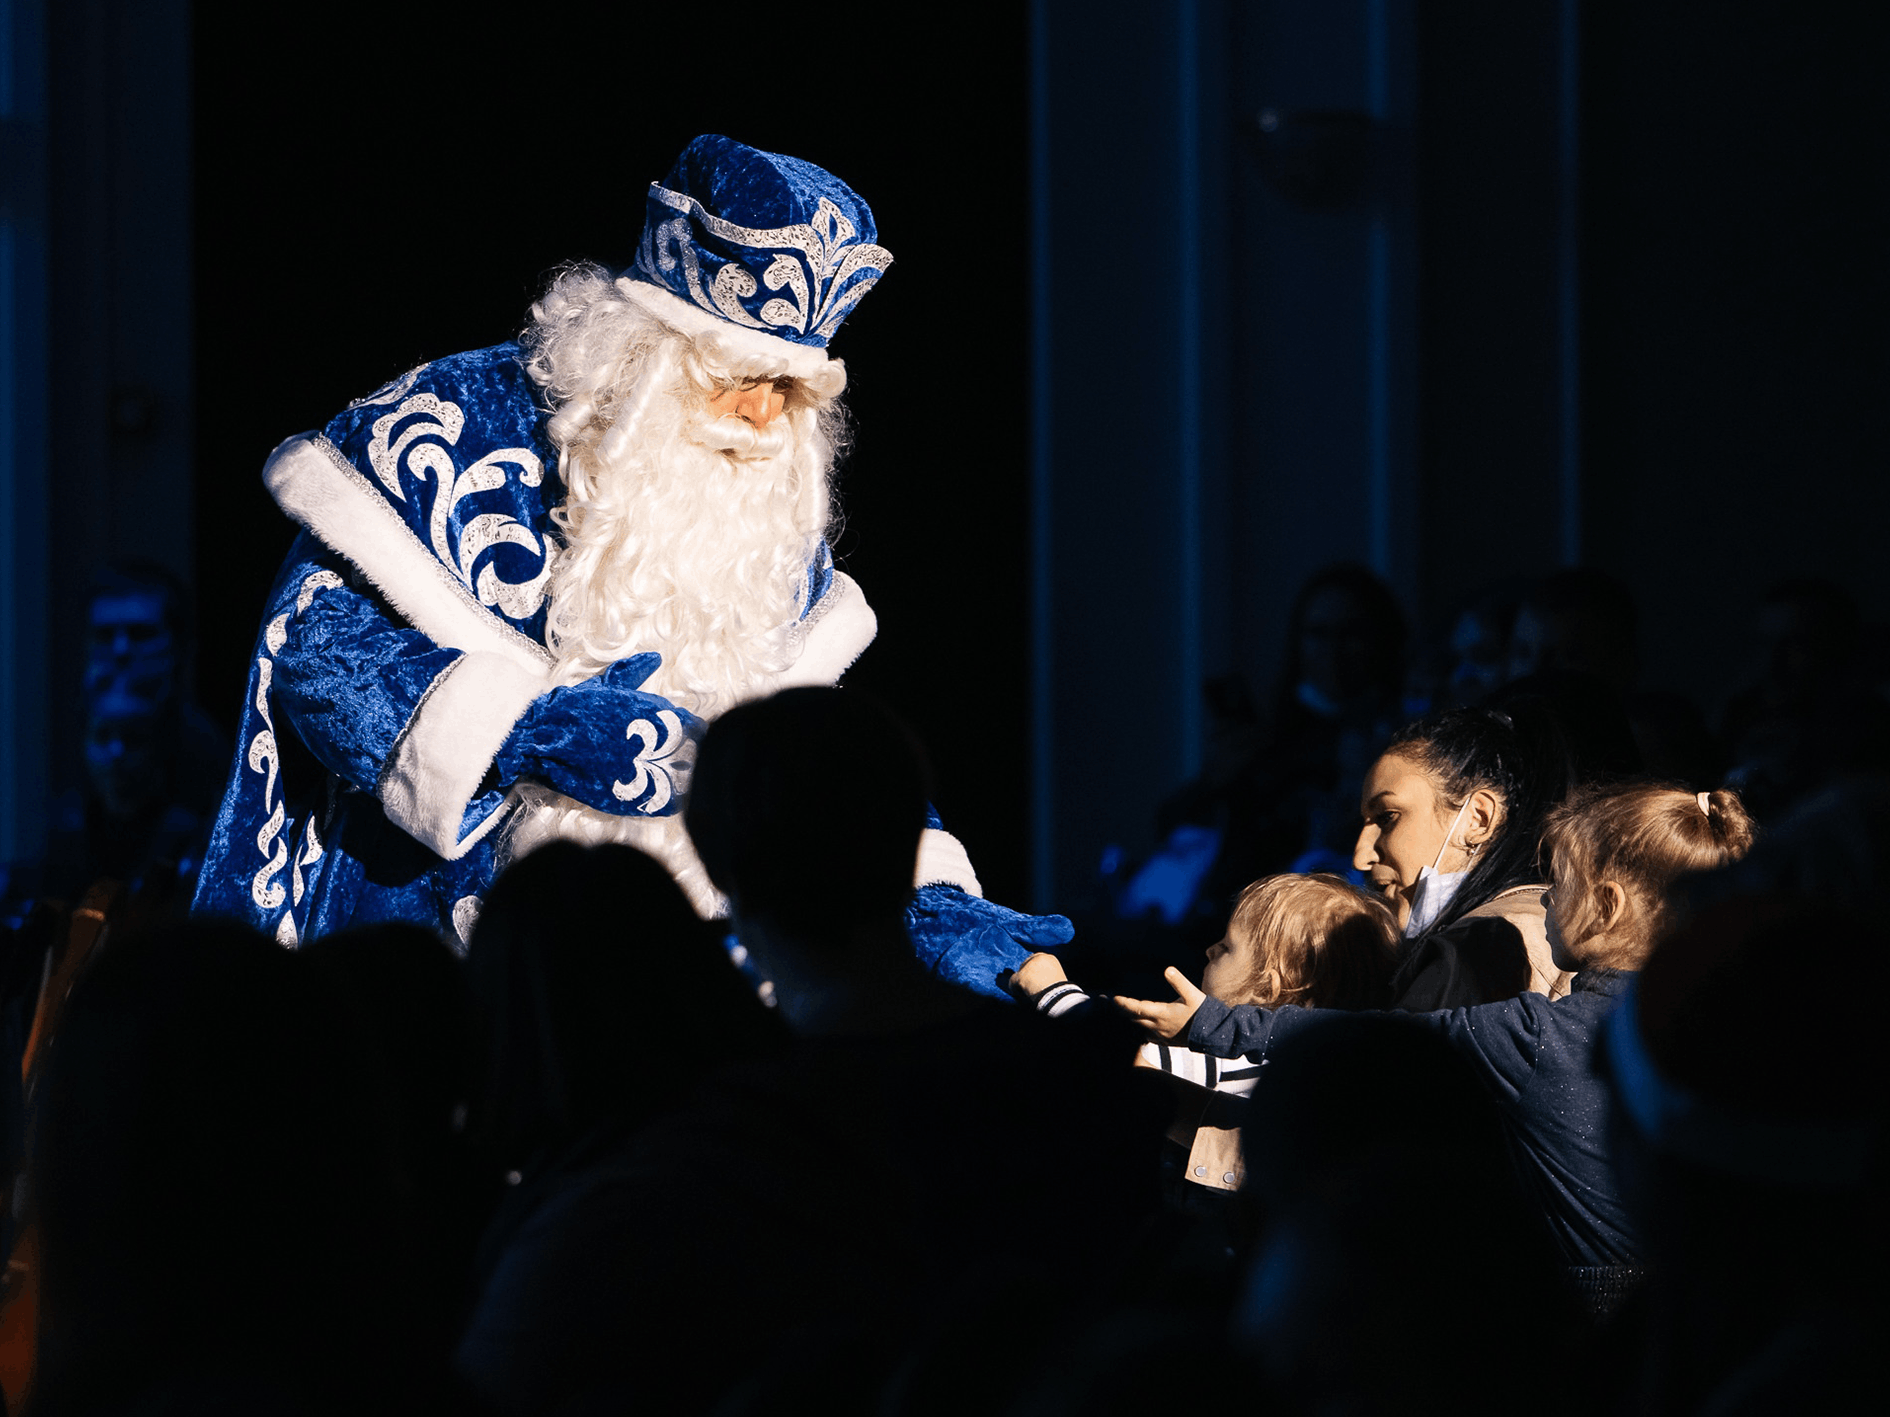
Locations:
column 404, row 638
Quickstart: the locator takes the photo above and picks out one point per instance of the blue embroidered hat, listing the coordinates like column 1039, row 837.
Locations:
column 735, row 238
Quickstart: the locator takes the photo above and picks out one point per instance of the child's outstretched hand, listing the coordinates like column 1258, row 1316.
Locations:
column 1170, row 1020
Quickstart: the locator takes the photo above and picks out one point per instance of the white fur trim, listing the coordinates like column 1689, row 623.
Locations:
column 943, row 860
column 844, row 625
column 801, row 361
column 317, row 487
column 446, row 747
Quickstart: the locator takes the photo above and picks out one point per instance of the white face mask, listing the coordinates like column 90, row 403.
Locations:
column 1435, row 888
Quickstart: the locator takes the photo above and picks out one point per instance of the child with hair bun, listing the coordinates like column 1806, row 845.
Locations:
column 1314, row 940
column 1612, row 856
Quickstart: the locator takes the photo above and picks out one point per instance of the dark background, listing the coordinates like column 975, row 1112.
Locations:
column 1605, row 284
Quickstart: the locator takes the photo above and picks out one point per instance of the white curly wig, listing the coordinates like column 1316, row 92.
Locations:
column 683, row 534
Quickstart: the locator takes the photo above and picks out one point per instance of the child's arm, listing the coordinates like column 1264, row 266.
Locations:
column 1040, row 982
column 1203, row 1023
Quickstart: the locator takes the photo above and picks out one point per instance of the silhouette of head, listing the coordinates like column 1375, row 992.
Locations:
column 574, row 945
column 1346, row 644
column 806, row 808
column 1578, row 619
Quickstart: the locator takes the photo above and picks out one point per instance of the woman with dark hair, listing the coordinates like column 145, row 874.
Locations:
column 1453, row 812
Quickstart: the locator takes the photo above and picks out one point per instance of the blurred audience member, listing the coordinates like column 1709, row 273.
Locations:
column 1812, row 716
column 604, row 1001
column 804, row 1220
column 153, row 763
column 215, row 1181
column 1476, row 657
column 1594, row 724
column 1400, row 1268
column 1274, row 795
column 1580, row 620
column 407, row 992
column 1754, row 1158
column 1453, row 816
column 1833, row 848
column 1583, row 623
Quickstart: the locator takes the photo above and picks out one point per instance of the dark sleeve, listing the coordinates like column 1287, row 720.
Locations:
column 1500, row 1040
column 1229, row 1030
column 1476, row 961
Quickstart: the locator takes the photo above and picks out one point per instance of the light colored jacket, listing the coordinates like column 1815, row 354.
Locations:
column 1522, row 907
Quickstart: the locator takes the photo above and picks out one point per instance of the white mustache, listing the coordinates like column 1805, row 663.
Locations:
column 740, row 438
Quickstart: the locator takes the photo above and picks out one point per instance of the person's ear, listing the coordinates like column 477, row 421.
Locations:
column 1611, row 903
column 1483, row 818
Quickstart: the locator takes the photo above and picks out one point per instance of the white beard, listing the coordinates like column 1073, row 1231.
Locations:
column 694, row 543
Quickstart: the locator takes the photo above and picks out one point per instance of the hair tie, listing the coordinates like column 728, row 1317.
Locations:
column 1705, row 806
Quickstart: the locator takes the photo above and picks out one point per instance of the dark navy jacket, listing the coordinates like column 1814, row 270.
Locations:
column 1537, row 1058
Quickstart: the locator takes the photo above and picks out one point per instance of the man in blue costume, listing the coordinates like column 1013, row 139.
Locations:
column 526, row 574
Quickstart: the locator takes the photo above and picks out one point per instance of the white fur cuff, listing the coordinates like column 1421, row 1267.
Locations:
column 319, row 489
column 844, row 625
column 443, row 753
column 943, row 860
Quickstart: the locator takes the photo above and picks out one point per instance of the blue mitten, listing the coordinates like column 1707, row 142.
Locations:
column 974, row 942
column 606, row 744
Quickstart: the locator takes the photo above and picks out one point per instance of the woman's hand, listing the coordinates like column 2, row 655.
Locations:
column 1170, row 1020
column 1037, row 974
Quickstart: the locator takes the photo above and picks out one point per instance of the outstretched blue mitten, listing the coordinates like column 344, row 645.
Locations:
column 975, row 942
column 606, row 744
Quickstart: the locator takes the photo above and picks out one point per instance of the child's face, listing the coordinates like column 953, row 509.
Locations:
column 1230, row 964
column 1556, row 900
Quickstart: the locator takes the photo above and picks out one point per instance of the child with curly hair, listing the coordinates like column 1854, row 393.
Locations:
column 1313, row 940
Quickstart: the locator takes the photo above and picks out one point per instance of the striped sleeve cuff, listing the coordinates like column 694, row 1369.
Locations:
column 1060, row 999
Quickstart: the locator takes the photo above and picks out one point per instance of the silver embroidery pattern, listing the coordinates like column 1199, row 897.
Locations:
column 314, row 581
column 278, row 632
column 662, row 762
column 265, row 757
column 310, row 853
column 670, row 244
column 391, row 390
column 442, row 420
column 264, row 889
column 427, row 416
column 829, row 258
column 445, row 578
